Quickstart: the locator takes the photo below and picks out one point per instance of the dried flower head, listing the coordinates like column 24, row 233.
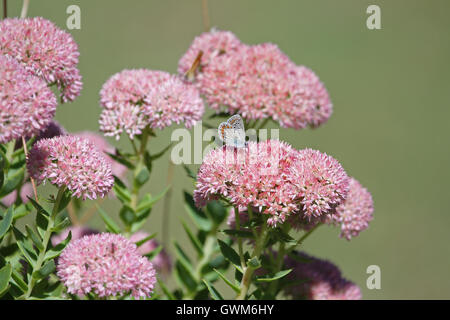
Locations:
column 318, row 280
column 355, row 213
column 106, row 265
column 45, row 50
column 72, row 162
column 27, row 105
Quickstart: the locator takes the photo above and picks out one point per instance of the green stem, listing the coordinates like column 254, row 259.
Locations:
column 262, row 124
column 45, row 241
column 303, row 238
column 278, row 265
column 140, row 163
column 248, row 270
column 238, row 228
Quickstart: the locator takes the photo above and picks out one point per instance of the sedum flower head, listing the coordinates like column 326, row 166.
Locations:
column 355, row 213
column 322, row 183
column 72, row 162
column 45, row 50
column 135, row 99
column 174, row 101
column 212, row 44
column 106, row 265
column 319, row 280
column 27, row 105
column 101, row 144
column 261, row 81
column 256, row 176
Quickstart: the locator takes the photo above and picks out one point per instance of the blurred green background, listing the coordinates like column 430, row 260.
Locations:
column 391, row 95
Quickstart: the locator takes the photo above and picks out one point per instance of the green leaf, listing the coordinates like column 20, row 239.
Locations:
column 34, row 237
column 41, row 223
column 161, row 153
column 18, row 280
column 219, row 115
column 121, row 159
column 199, row 218
column 56, row 251
column 254, row 263
column 185, row 276
column 228, row 282
column 148, row 201
column 22, row 210
column 25, row 246
column 48, row 268
column 189, row 172
column 127, row 215
column 151, row 255
column 217, row 211
column 195, row 242
column 40, row 209
column 121, row 191
column 6, row 222
column 65, row 199
column 111, row 226
column 12, row 180
column 144, row 240
column 166, row 291
column 213, row 291
column 61, row 225
column 229, row 253
column 182, row 256
column 238, row 233
column 276, row 276
column 142, row 176
column 5, row 275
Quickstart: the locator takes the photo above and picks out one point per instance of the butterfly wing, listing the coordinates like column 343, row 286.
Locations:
column 223, row 129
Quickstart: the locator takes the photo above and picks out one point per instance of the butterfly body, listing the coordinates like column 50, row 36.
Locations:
column 232, row 132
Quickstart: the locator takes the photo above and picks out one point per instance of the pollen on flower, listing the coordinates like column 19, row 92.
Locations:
column 44, row 50
column 107, row 265
column 72, row 162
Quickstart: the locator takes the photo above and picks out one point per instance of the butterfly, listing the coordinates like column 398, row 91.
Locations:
column 232, row 132
column 190, row 74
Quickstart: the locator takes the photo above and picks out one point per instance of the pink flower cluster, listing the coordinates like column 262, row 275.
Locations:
column 72, row 162
column 44, row 50
column 101, row 144
column 274, row 178
column 27, row 105
column 106, row 265
column 319, row 280
column 135, row 99
column 355, row 213
column 256, row 81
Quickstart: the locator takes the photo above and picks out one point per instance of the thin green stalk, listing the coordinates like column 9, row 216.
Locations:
column 248, row 270
column 262, row 124
column 278, row 265
column 140, row 164
column 45, row 241
column 303, row 238
column 238, row 228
